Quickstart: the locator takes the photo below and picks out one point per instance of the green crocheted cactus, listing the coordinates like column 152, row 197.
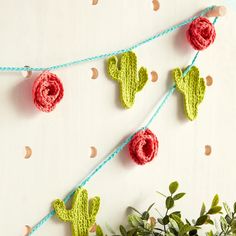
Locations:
column 82, row 215
column 192, row 87
column 125, row 72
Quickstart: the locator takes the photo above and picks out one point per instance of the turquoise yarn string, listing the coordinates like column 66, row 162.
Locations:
column 112, row 155
column 101, row 56
column 169, row 93
column 84, row 182
column 173, row 87
column 117, row 150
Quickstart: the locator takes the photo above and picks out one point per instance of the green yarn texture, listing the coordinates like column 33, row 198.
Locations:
column 125, row 72
column 192, row 87
column 82, row 214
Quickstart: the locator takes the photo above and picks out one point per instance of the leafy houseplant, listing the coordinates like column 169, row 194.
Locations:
column 172, row 223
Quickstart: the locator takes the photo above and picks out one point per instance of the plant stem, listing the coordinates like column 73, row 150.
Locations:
column 165, row 216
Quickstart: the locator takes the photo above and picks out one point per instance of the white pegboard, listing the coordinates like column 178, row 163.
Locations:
column 46, row 32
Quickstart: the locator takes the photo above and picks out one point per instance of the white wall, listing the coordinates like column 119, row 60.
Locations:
column 46, row 32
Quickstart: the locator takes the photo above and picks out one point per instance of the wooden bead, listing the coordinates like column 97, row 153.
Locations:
column 217, row 11
column 26, row 74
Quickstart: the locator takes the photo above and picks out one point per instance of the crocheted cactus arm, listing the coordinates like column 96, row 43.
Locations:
column 82, row 215
column 61, row 211
column 178, row 79
column 113, row 70
column 192, row 87
column 201, row 89
column 143, row 78
column 94, row 205
column 126, row 75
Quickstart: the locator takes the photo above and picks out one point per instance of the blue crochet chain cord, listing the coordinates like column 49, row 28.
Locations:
column 101, row 56
column 126, row 141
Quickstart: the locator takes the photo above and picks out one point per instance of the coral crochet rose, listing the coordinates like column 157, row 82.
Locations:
column 47, row 91
column 201, row 33
column 143, row 147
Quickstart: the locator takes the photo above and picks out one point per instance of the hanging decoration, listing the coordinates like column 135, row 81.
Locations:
column 126, row 75
column 143, row 147
column 192, row 87
column 82, row 215
column 201, row 33
column 143, row 144
column 47, row 91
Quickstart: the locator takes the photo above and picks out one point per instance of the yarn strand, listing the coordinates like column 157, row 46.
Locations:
column 111, row 156
column 117, row 150
column 101, row 56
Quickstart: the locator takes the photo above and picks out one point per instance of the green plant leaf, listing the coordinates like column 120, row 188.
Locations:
column 178, row 196
column 99, row 231
column 233, row 226
column 201, row 220
column 227, row 209
column 233, row 223
column 235, row 207
column 178, row 220
column 143, row 231
column 150, row 207
column 228, row 219
column 132, row 208
column 165, row 220
column 132, row 232
column 145, row 215
column 210, row 233
column 169, row 202
column 187, row 221
column 215, row 201
column 173, row 187
column 135, row 220
column 160, row 221
column 209, row 221
column 193, row 232
column 123, row 231
column 214, row 210
column 178, row 213
column 174, row 224
column 223, row 224
column 203, row 209
column 185, row 229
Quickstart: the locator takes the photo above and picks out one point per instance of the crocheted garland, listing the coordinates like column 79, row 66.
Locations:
column 192, row 87
column 143, row 145
column 126, row 75
column 47, row 91
column 82, row 214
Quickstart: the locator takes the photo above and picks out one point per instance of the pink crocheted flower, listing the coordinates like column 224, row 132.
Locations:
column 143, row 147
column 47, row 91
column 201, row 33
